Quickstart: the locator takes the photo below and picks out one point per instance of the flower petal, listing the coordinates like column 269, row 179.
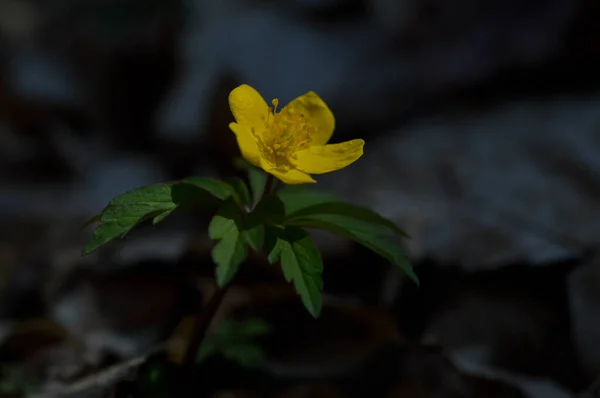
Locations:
column 291, row 176
column 248, row 107
column 317, row 112
column 247, row 143
column 325, row 158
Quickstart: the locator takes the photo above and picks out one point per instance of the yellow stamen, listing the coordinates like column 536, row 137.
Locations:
column 285, row 133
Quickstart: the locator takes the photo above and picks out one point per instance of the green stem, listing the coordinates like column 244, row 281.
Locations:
column 207, row 313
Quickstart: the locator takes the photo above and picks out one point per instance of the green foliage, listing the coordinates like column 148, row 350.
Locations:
column 359, row 224
column 300, row 262
column 248, row 217
column 16, row 381
column 269, row 211
column 240, row 191
column 296, row 198
column 231, row 250
column 347, row 213
column 153, row 379
column 258, row 182
column 216, row 188
column 235, row 341
column 151, row 202
column 257, row 179
column 254, row 231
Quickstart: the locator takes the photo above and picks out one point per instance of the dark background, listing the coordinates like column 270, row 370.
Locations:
column 482, row 129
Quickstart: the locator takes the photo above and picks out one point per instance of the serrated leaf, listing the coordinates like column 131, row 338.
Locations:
column 270, row 210
column 162, row 216
column 228, row 254
column 253, row 327
column 240, row 163
column 217, row 188
column 134, row 210
column 390, row 251
column 241, row 190
column 258, row 181
column 272, row 245
column 89, row 222
column 231, row 250
column 234, row 340
column 229, row 217
column 343, row 210
column 349, row 223
column 301, row 262
column 104, row 233
column 288, row 269
column 254, row 232
column 242, row 330
column 157, row 194
column 247, row 355
column 151, row 202
column 378, row 243
column 295, row 198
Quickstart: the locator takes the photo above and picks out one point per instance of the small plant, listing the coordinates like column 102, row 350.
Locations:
column 234, row 340
column 15, row 381
column 290, row 146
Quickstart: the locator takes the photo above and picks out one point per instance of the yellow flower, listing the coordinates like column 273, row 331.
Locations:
column 291, row 144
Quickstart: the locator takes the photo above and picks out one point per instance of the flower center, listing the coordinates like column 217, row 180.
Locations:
column 285, row 133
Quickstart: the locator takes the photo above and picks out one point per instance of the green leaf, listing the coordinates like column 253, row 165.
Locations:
column 229, row 217
column 104, row 233
column 247, row 355
column 296, row 198
column 379, row 243
column 162, row 216
column 159, row 194
column 348, row 211
column 240, row 163
column 301, row 263
column 254, row 231
column 235, row 341
column 228, row 254
column 240, row 189
column 258, row 182
column 89, row 222
column 207, row 349
column 270, row 210
column 348, row 223
column 231, row 250
column 129, row 209
column 134, row 211
column 17, row 380
column 234, row 330
column 217, row 188
column 253, row 327
column 273, row 245
column 356, row 223
column 152, row 202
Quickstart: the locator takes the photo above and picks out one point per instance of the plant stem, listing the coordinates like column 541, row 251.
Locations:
column 201, row 326
column 207, row 312
column 271, row 183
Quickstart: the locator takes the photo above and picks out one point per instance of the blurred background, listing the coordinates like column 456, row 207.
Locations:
column 482, row 130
